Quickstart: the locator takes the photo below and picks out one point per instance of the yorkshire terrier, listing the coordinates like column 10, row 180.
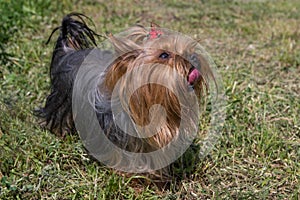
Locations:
column 153, row 47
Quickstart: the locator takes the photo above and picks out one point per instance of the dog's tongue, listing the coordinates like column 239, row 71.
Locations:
column 193, row 76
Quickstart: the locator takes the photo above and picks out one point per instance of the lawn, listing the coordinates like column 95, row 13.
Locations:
column 256, row 48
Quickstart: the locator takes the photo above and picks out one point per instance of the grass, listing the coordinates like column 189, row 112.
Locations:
column 255, row 45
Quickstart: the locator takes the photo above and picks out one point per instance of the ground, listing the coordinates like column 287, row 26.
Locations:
column 256, row 48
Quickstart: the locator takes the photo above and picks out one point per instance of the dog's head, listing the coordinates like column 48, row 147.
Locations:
column 154, row 67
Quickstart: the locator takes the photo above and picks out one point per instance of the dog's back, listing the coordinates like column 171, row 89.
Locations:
column 75, row 41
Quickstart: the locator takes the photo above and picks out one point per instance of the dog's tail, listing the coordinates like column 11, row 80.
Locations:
column 74, row 43
column 74, row 34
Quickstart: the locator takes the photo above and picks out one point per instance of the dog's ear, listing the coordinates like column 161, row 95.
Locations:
column 119, row 67
column 123, row 45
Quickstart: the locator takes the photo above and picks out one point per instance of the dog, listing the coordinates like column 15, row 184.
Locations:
column 164, row 53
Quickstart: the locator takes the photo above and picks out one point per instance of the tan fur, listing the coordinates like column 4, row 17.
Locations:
column 136, row 49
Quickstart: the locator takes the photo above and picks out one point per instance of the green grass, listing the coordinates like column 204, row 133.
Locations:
column 256, row 47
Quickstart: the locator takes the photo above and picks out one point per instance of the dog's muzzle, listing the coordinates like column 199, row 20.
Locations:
column 194, row 73
column 193, row 76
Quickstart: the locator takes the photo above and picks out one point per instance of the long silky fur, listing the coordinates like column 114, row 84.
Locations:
column 75, row 42
column 135, row 50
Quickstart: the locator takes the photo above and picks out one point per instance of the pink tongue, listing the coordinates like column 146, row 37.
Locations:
column 193, row 76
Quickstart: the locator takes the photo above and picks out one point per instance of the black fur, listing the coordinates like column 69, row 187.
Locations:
column 75, row 41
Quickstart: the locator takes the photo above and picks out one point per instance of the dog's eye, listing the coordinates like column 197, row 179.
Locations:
column 164, row 55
